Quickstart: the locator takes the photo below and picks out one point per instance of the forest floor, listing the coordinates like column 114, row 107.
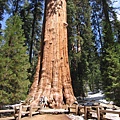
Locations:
column 89, row 100
column 100, row 98
column 43, row 117
column 48, row 117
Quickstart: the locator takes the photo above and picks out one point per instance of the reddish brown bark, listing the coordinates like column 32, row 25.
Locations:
column 34, row 86
column 54, row 74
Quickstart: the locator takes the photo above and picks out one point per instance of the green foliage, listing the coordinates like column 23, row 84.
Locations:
column 83, row 56
column 32, row 13
column 110, row 62
column 3, row 6
column 74, row 55
column 111, row 74
column 13, row 63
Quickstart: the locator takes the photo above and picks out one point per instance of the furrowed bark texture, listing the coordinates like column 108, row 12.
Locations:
column 53, row 79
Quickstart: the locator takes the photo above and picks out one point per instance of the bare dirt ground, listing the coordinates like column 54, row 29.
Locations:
column 42, row 117
column 48, row 117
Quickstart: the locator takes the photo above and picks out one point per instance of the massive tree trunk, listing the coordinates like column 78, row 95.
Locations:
column 52, row 78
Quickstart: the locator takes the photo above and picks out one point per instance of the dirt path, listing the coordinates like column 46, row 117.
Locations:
column 47, row 117
column 42, row 117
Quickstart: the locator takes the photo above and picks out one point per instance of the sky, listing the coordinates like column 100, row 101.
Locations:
column 3, row 22
column 117, row 4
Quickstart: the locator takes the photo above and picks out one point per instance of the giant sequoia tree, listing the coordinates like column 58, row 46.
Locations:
column 52, row 78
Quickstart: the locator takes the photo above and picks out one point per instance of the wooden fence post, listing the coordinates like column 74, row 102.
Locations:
column 20, row 112
column 98, row 113
column 31, row 111
column 85, row 112
column 76, row 110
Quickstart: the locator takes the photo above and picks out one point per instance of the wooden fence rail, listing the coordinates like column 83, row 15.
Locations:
column 7, row 111
column 88, row 110
column 100, row 111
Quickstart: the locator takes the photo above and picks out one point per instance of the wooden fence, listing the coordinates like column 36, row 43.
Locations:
column 100, row 112
column 89, row 110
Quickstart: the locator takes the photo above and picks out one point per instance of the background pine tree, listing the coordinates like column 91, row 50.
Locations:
column 13, row 63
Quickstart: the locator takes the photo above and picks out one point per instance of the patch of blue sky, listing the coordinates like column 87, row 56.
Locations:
column 116, row 4
column 3, row 22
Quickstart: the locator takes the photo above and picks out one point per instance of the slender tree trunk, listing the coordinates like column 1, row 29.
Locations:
column 54, row 74
column 33, row 33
